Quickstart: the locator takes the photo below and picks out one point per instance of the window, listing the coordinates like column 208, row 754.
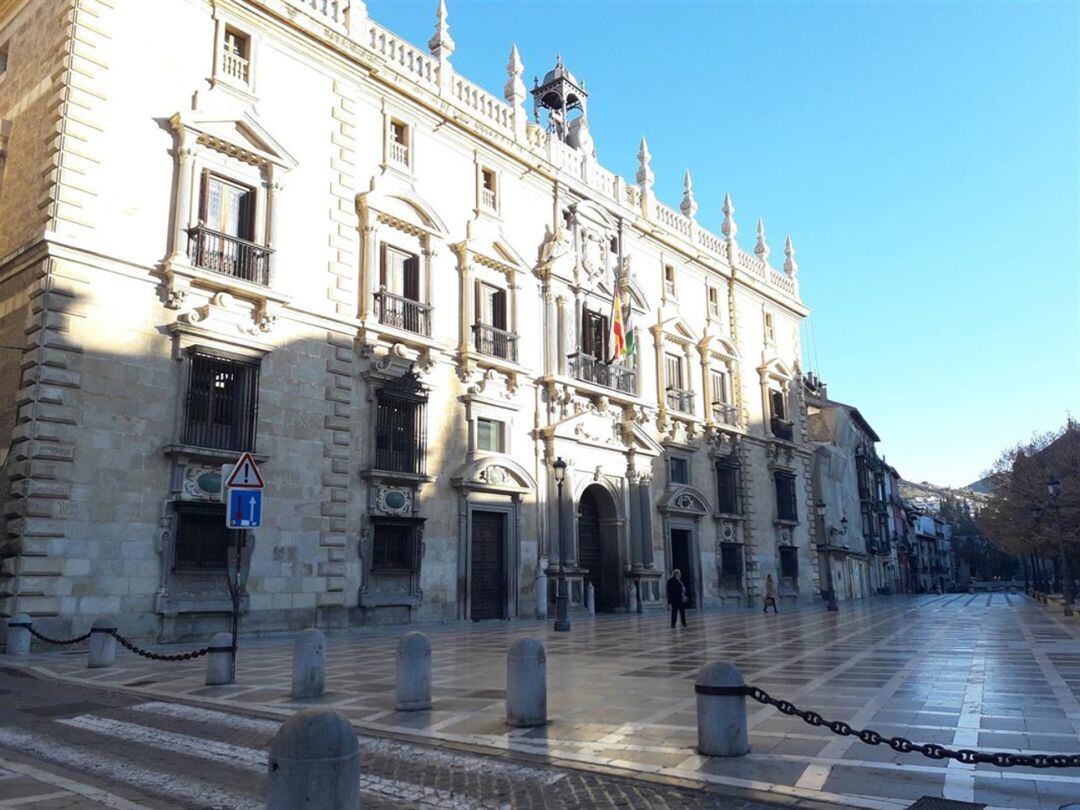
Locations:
column 399, row 142
column 679, row 470
column 723, row 411
column 727, row 488
column 669, row 279
column 221, row 403
column 490, row 435
column 488, row 197
column 393, row 545
column 786, row 505
column 224, row 239
column 400, row 435
column 398, row 298
column 789, row 567
column 202, row 541
column 770, row 331
column 781, row 427
column 594, row 334
column 714, row 302
column 731, row 567
column 678, row 397
column 489, row 331
column 236, row 55
column 4, row 57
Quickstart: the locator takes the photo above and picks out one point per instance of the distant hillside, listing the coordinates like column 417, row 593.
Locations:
column 928, row 497
column 982, row 486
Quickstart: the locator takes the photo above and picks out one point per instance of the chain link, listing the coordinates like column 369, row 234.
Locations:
column 905, row 746
column 158, row 656
column 56, row 641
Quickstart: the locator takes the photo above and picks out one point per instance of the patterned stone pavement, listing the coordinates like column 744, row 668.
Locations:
column 990, row 672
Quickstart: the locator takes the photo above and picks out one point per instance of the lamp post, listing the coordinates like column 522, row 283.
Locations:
column 827, row 532
column 562, row 622
column 1053, row 487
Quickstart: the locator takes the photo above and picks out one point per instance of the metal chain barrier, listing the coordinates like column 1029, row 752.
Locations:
column 904, row 746
column 188, row 656
column 56, row 641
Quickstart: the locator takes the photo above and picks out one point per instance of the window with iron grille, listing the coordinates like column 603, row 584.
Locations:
column 400, row 434
column 727, row 488
column 221, row 404
column 786, row 505
column 789, row 566
column 394, row 545
column 731, row 566
column 201, row 539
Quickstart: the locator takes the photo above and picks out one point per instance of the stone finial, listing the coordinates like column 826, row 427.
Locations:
column 791, row 267
column 441, row 43
column 761, row 249
column 514, row 90
column 645, row 176
column 689, row 204
column 729, row 228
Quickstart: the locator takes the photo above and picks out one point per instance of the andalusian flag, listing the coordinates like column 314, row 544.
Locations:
column 622, row 336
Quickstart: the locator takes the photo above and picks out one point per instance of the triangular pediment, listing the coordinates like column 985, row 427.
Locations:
column 241, row 134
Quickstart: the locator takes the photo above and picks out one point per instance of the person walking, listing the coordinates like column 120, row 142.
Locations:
column 677, row 597
column 770, row 594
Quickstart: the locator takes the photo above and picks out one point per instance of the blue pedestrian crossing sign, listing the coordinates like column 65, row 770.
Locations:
column 244, row 509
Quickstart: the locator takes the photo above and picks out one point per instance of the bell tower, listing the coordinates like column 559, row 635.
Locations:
column 565, row 99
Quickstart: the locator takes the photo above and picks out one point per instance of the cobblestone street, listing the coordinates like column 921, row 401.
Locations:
column 989, row 672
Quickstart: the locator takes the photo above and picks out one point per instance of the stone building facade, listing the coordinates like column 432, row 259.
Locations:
column 291, row 232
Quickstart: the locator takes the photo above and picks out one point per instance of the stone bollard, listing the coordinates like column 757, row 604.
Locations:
column 314, row 763
column 590, row 599
column 526, row 683
column 102, row 643
column 721, row 711
column 18, row 635
column 309, row 664
column 219, row 664
column 541, row 594
column 413, row 691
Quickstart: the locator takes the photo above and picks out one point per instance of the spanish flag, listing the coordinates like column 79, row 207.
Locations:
column 622, row 337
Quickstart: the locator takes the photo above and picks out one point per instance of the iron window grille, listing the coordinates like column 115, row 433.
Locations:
column 786, row 504
column 727, row 488
column 731, row 566
column 395, row 545
column 202, row 539
column 221, row 404
column 401, row 426
column 789, row 566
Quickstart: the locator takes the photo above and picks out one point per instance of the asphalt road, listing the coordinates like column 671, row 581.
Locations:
column 65, row 746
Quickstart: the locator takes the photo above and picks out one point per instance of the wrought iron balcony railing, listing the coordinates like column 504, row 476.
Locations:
column 229, row 255
column 782, row 429
column 587, row 368
column 725, row 414
column 681, row 400
column 402, row 312
column 495, row 342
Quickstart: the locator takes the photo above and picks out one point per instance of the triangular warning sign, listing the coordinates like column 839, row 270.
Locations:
column 245, row 474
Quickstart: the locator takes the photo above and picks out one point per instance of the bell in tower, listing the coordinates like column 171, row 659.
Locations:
column 564, row 98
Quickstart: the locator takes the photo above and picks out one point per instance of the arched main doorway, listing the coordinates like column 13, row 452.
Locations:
column 598, row 546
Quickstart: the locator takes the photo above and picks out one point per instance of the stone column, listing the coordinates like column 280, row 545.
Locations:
column 636, row 540
column 185, row 156
column 273, row 223
column 646, row 506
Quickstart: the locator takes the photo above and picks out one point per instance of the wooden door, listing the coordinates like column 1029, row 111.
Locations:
column 488, row 580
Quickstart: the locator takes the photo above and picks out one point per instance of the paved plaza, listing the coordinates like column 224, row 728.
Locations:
column 990, row 672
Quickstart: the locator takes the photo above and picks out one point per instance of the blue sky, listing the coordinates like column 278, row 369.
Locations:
column 923, row 156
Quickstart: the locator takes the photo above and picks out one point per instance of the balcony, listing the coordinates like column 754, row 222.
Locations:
column 235, row 66
column 229, row 255
column 495, row 342
column 782, row 429
column 725, row 414
column 402, row 312
column 399, row 153
column 681, row 400
column 487, row 198
column 589, row 369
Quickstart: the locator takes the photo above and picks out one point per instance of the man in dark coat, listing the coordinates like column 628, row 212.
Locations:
column 677, row 597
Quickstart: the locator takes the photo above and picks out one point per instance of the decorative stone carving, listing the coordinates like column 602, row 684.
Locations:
column 728, row 532
column 496, row 476
column 494, row 384
column 200, row 483
column 394, row 500
column 174, row 298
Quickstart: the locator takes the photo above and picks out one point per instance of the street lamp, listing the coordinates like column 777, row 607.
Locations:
column 827, row 534
column 562, row 622
column 1053, row 488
